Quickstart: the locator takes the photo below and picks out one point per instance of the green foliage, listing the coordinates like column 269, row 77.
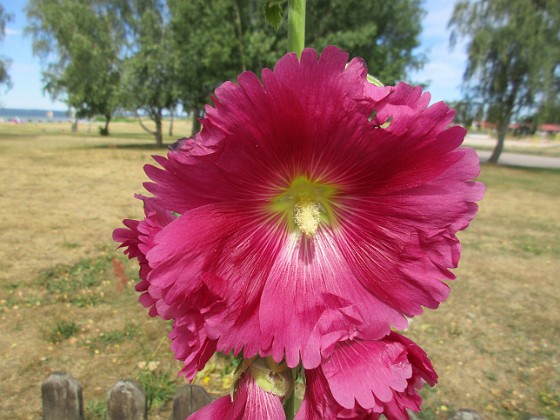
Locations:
column 383, row 33
column 63, row 330
column 149, row 74
column 159, row 386
column 210, row 41
column 273, row 11
column 217, row 40
column 111, row 337
column 79, row 42
column 467, row 110
column 231, row 363
column 95, row 410
column 77, row 284
column 514, row 55
column 150, row 55
column 4, row 62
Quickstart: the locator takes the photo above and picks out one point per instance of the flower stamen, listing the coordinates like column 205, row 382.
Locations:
column 307, row 217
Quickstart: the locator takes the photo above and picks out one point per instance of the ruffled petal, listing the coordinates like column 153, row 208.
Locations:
column 216, row 410
column 365, row 379
column 138, row 239
column 319, row 404
column 283, row 295
column 189, row 340
column 367, row 373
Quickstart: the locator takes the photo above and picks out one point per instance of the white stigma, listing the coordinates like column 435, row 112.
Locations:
column 307, row 217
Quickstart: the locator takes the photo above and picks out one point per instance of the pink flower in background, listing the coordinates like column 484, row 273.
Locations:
column 364, row 379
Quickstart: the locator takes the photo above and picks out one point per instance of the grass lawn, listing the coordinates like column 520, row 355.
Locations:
column 67, row 299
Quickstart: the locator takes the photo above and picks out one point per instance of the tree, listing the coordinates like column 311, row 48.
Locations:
column 384, row 33
column 80, row 45
column 4, row 62
column 219, row 39
column 209, row 49
column 514, row 55
column 148, row 81
column 467, row 110
column 549, row 108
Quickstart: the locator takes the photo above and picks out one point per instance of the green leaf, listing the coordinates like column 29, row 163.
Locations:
column 273, row 12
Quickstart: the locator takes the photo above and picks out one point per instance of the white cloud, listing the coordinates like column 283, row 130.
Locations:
column 11, row 31
column 445, row 67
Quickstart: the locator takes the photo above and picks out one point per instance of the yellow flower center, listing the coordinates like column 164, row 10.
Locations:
column 305, row 205
column 307, row 217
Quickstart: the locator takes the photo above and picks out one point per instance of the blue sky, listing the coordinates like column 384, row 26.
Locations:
column 444, row 69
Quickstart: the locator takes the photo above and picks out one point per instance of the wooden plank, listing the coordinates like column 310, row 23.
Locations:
column 126, row 401
column 188, row 399
column 62, row 398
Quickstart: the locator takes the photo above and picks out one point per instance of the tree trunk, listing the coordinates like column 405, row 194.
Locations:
column 172, row 118
column 502, row 130
column 158, row 133
column 75, row 125
column 197, row 115
column 105, row 130
column 146, row 129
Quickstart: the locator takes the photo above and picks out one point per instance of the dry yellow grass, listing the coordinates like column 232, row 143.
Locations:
column 494, row 342
column 61, row 198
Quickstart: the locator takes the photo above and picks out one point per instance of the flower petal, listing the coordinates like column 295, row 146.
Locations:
column 250, row 402
column 299, row 312
column 364, row 379
column 138, row 239
column 216, row 410
column 316, row 107
column 367, row 372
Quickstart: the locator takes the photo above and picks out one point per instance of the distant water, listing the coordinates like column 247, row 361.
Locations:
column 32, row 115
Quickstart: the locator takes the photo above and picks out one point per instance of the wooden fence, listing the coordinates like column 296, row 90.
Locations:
column 62, row 400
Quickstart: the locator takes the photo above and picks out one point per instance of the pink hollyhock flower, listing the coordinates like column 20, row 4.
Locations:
column 314, row 206
column 251, row 401
column 364, row 379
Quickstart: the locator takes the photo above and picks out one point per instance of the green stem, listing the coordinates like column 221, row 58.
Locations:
column 290, row 405
column 296, row 26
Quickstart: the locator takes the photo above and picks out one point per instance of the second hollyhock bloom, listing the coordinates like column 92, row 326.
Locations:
column 364, row 379
column 360, row 380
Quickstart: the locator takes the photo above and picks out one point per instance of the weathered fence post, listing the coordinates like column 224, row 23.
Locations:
column 126, row 401
column 62, row 398
column 464, row 414
column 188, row 399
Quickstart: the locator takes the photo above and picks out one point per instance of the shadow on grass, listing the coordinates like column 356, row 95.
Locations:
column 10, row 136
column 534, row 170
column 131, row 146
